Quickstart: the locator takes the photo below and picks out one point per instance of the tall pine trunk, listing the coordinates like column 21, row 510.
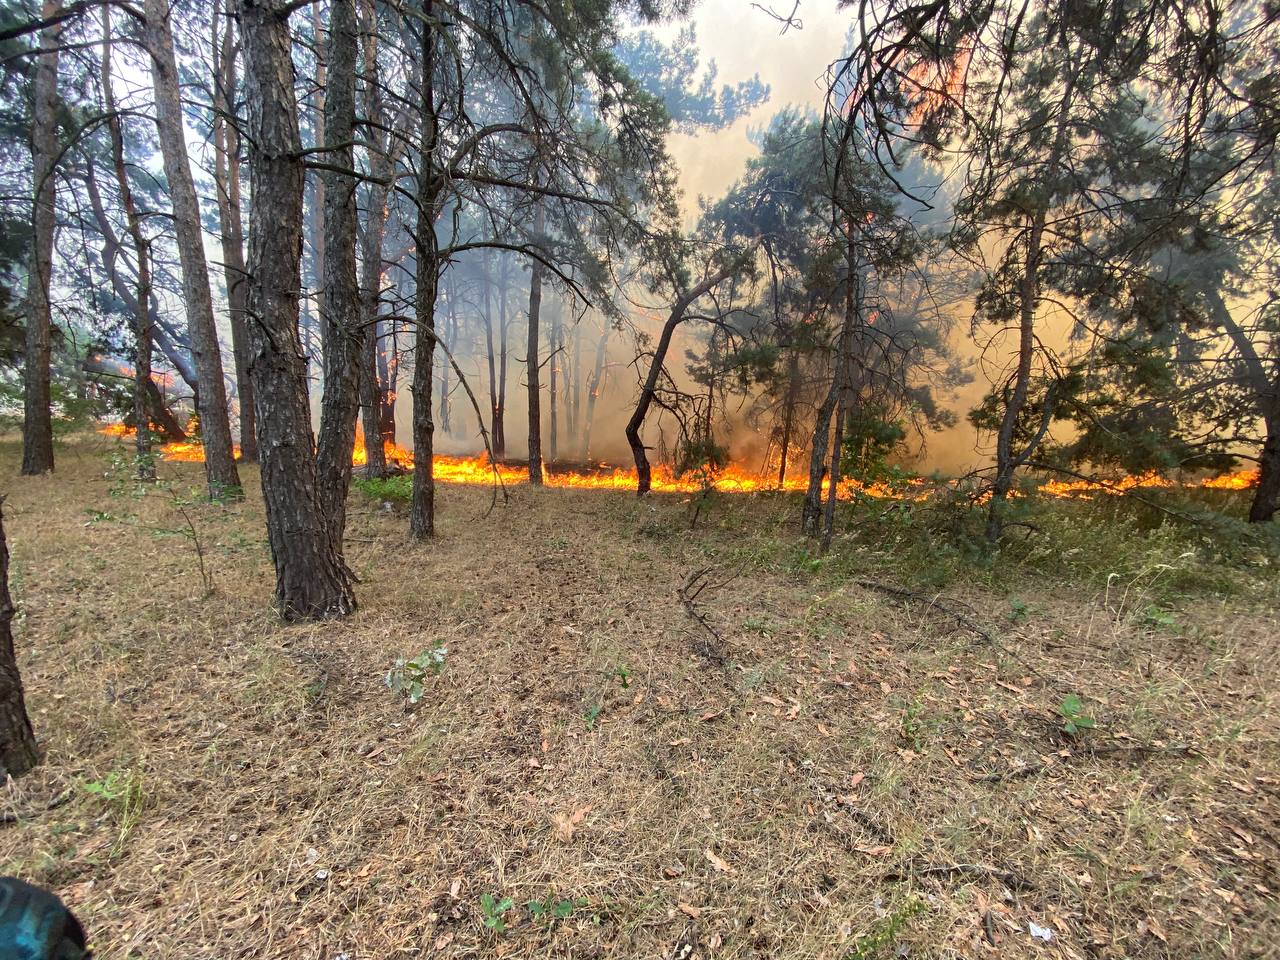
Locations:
column 426, row 245
column 312, row 582
column 145, row 466
column 18, row 750
column 504, row 325
column 553, row 377
column 211, row 399
column 594, row 387
column 533, row 371
column 789, row 413
column 37, row 430
column 487, row 316
column 340, row 297
column 226, row 172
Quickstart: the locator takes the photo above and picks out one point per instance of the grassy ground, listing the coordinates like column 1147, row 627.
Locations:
column 800, row 766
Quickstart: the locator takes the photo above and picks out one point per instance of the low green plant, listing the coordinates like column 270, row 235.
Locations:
column 913, row 725
column 122, row 790
column 409, row 677
column 623, row 673
column 1074, row 719
column 1156, row 616
column 591, row 714
column 1017, row 610
column 553, row 907
column 491, row 911
column 885, row 933
column 386, row 488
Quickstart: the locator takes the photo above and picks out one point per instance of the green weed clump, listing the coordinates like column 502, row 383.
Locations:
column 397, row 488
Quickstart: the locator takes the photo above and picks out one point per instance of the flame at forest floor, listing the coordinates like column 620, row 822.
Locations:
column 734, row 478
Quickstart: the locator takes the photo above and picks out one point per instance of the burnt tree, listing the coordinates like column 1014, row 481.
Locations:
column 18, row 750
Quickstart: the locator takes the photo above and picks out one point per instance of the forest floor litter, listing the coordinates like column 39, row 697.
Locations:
column 641, row 739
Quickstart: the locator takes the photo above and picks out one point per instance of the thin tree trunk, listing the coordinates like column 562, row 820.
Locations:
column 315, row 212
column 574, row 405
column 426, row 249
column 340, row 297
column 487, row 281
column 644, row 479
column 534, row 373
column 812, row 513
column 1007, row 462
column 226, row 148
column 145, row 465
column 312, row 582
column 18, row 749
column 594, row 387
column 449, row 335
column 211, row 400
column 37, row 430
column 554, row 368
column 833, row 472
column 504, row 321
column 788, row 413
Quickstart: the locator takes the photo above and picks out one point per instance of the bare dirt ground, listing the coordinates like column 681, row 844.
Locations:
column 821, row 770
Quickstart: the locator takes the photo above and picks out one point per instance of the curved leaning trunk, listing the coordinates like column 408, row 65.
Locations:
column 312, row 582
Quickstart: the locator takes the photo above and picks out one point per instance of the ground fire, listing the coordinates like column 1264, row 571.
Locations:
column 735, row 478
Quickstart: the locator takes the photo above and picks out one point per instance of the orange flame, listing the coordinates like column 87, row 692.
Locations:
column 734, row 478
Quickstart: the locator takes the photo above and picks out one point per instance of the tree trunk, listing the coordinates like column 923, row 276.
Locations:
column 1267, row 498
column 552, row 385
column 487, row 316
column 644, row 480
column 449, row 336
column 18, row 750
column 312, row 582
column 594, row 386
column 504, row 321
column 812, row 513
column 788, row 413
column 340, row 296
column 534, row 373
column 226, row 171
column 574, row 404
column 1007, row 462
column 426, row 248
column 37, row 430
column 211, row 400
column 145, row 465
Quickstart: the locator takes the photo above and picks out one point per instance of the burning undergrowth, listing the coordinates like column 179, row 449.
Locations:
column 730, row 478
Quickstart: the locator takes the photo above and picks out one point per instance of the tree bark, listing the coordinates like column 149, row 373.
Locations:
column 644, row 478
column 504, row 322
column 18, row 749
column 211, row 399
column 487, row 316
column 788, row 413
column 1266, row 500
column 37, row 430
column 145, row 465
column 552, row 385
column 533, row 371
column 312, row 582
column 423, row 507
column 226, row 148
column 343, row 340
column 594, row 386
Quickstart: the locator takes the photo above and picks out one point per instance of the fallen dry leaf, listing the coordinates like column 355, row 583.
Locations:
column 719, row 864
column 689, row 910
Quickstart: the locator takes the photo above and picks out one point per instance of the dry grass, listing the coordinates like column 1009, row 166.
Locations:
column 840, row 775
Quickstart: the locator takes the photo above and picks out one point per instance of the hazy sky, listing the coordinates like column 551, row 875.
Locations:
column 744, row 41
